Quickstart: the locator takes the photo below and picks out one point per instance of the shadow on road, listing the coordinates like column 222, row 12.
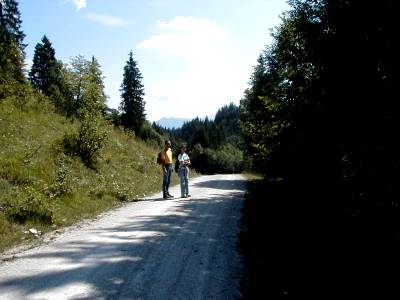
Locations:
column 147, row 257
column 222, row 184
column 304, row 243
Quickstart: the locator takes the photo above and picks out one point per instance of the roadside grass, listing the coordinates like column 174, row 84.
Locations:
column 44, row 188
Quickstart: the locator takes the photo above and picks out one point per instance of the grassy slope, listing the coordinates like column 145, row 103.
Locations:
column 42, row 187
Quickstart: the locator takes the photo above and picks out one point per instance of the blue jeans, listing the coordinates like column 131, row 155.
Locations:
column 167, row 178
column 184, row 176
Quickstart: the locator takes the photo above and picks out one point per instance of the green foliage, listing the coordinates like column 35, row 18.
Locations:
column 214, row 146
column 42, row 186
column 29, row 207
column 44, row 69
column 91, row 138
column 151, row 136
column 132, row 92
column 63, row 183
column 88, row 140
column 84, row 81
column 226, row 159
column 93, row 97
column 10, row 70
column 11, row 48
column 321, row 113
column 76, row 74
column 10, row 23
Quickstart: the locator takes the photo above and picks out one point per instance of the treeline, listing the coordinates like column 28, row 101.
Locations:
column 215, row 146
column 321, row 118
column 75, row 88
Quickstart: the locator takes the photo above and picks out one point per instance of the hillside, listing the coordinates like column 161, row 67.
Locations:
column 45, row 188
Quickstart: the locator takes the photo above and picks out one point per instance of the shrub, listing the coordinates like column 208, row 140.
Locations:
column 31, row 207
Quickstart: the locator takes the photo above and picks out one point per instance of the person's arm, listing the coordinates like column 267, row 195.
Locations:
column 187, row 162
column 163, row 164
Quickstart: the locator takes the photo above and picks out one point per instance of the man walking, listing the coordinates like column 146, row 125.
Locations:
column 166, row 157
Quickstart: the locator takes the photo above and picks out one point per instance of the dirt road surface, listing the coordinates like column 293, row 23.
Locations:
column 151, row 249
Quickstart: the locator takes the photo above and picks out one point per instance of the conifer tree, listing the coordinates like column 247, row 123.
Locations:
column 11, row 45
column 10, row 23
column 48, row 76
column 45, row 70
column 132, row 92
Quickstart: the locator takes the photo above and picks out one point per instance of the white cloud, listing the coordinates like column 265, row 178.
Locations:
column 212, row 76
column 79, row 4
column 108, row 20
column 186, row 36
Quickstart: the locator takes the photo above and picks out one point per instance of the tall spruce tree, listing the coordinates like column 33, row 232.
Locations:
column 132, row 92
column 10, row 23
column 45, row 70
column 11, row 45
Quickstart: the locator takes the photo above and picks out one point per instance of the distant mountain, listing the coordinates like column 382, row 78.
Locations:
column 172, row 122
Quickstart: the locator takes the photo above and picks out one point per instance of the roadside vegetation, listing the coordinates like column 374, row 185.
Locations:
column 64, row 155
column 320, row 123
column 215, row 146
column 45, row 187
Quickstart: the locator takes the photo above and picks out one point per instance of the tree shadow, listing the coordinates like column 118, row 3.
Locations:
column 222, row 184
column 298, row 241
column 122, row 260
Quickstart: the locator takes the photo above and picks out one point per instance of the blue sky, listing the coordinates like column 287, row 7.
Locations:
column 194, row 55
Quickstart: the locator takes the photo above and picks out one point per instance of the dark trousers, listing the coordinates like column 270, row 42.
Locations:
column 167, row 178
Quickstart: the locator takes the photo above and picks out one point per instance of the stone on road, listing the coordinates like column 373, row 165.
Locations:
column 180, row 248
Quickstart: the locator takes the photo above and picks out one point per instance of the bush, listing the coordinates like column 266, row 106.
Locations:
column 31, row 208
column 63, row 182
column 227, row 159
column 151, row 136
column 92, row 136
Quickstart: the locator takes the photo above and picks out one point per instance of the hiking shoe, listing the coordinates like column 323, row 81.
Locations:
column 183, row 196
column 165, row 196
column 169, row 195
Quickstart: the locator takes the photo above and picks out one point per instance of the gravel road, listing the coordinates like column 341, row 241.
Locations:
column 149, row 249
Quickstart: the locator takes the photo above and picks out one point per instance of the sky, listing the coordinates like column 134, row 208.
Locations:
column 195, row 56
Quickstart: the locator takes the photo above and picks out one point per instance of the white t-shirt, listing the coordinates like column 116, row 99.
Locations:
column 183, row 157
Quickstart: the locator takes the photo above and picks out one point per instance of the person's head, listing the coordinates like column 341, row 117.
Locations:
column 167, row 144
column 183, row 149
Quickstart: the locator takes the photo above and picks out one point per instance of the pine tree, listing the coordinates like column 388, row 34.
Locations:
column 11, row 46
column 132, row 92
column 45, row 70
column 10, row 23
